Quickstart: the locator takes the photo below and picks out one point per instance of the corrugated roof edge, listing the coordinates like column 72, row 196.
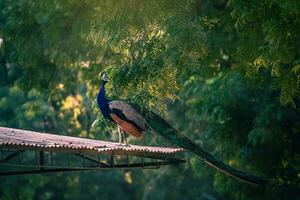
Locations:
column 19, row 138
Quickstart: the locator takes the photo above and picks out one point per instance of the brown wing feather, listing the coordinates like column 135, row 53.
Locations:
column 130, row 113
column 127, row 127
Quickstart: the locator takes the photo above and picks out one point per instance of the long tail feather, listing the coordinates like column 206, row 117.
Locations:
column 162, row 127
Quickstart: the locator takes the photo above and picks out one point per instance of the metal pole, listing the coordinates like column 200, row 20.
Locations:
column 143, row 164
column 69, row 162
column 2, row 155
column 157, row 164
column 99, row 160
column 19, row 157
column 41, row 160
column 112, row 159
column 51, row 158
column 83, row 159
column 127, row 159
column 36, row 158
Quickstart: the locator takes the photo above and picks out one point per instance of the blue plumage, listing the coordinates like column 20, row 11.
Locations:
column 103, row 102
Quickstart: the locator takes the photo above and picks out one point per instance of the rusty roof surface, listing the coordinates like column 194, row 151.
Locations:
column 23, row 139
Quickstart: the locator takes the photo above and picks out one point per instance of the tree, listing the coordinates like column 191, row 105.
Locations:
column 232, row 68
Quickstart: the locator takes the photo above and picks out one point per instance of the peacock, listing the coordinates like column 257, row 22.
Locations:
column 135, row 121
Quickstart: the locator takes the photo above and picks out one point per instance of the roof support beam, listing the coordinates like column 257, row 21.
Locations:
column 148, row 165
column 9, row 157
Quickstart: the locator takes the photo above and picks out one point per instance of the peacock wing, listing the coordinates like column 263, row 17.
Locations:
column 128, row 113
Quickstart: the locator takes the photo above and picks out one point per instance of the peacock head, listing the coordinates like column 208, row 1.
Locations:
column 104, row 77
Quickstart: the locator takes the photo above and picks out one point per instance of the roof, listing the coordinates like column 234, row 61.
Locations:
column 23, row 139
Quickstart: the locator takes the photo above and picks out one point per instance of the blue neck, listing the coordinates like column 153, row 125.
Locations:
column 103, row 102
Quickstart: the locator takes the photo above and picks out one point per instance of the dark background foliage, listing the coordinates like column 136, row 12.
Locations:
column 225, row 73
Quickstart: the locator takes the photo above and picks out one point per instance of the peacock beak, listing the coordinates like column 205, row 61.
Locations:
column 103, row 76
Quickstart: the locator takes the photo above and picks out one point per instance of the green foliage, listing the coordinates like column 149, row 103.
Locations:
column 273, row 27
column 226, row 73
column 251, row 125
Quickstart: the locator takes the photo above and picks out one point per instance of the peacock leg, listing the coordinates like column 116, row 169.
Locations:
column 125, row 138
column 120, row 136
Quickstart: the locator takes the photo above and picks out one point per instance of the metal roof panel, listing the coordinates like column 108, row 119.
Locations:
column 18, row 138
